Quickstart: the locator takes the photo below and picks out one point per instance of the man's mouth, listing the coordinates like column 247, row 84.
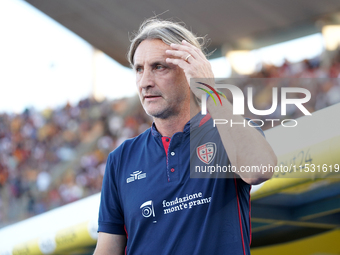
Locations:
column 151, row 97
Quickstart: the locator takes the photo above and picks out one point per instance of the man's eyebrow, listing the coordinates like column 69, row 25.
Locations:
column 153, row 64
column 156, row 63
column 135, row 66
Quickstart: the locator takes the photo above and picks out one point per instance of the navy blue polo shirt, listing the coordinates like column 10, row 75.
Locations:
column 148, row 195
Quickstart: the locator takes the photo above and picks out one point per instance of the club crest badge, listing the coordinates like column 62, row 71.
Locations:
column 206, row 152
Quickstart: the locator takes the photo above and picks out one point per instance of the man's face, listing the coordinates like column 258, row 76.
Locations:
column 162, row 87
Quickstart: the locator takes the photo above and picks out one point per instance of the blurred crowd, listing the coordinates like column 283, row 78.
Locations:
column 54, row 157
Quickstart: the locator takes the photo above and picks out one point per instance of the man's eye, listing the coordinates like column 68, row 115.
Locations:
column 158, row 67
column 138, row 69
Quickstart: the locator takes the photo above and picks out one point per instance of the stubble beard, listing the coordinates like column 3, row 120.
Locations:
column 166, row 111
column 163, row 113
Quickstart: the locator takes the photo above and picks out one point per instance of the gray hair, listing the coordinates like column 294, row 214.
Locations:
column 167, row 31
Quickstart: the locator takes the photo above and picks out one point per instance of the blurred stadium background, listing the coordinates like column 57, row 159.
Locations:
column 52, row 160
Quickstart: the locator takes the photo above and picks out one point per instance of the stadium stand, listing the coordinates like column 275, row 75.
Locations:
column 55, row 157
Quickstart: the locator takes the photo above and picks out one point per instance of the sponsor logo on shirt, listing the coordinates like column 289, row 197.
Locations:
column 185, row 202
column 147, row 209
column 180, row 203
column 136, row 175
column 206, row 152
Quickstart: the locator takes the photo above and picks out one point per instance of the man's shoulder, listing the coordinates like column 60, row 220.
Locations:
column 128, row 144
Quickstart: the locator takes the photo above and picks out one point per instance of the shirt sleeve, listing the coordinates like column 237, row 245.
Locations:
column 111, row 217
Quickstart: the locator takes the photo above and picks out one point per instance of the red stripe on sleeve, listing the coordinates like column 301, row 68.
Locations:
column 126, row 237
column 239, row 216
column 249, row 216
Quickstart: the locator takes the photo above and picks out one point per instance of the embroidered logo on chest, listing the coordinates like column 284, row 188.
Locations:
column 206, row 152
column 137, row 175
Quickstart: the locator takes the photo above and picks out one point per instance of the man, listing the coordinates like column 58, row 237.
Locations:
column 149, row 203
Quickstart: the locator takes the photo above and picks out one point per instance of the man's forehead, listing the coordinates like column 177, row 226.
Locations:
column 151, row 49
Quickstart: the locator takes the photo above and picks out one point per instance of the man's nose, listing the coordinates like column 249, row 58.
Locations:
column 147, row 79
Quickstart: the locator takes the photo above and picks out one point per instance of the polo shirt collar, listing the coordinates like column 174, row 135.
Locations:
column 197, row 121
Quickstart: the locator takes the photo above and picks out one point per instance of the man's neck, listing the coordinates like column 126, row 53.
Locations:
column 170, row 126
